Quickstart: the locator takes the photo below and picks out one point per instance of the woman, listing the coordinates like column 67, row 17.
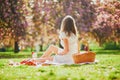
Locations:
column 68, row 39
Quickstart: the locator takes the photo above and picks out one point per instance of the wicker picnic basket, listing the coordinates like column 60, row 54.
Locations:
column 82, row 57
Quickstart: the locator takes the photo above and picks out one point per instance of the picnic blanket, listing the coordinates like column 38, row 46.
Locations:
column 53, row 63
column 46, row 63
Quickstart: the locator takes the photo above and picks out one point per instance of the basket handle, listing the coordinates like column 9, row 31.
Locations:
column 78, row 46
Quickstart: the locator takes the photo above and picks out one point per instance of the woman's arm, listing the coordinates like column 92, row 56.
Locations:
column 66, row 47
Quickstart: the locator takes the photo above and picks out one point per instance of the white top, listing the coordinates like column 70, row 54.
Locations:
column 73, row 48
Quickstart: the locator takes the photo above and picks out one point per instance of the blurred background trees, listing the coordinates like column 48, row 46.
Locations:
column 107, row 25
column 35, row 23
column 12, row 22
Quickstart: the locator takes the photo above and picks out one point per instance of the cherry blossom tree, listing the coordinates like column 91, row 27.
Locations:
column 107, row 25
column 12, row 20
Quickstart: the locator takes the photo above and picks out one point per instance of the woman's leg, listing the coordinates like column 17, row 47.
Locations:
column 42, row 60
column 49, row 51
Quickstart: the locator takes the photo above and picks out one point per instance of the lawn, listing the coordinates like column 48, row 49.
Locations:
column 108, row 68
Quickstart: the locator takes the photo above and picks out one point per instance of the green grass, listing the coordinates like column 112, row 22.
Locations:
column 108, row 68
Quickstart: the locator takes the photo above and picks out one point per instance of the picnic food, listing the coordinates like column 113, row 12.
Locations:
column 82, row 57
column 28, row 62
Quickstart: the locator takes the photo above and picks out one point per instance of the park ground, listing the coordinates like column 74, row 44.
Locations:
column 108, row 68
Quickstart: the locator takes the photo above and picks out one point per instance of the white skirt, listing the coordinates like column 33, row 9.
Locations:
column 63, row 59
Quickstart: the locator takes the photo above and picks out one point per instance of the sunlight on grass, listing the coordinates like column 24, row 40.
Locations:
column 108, row 68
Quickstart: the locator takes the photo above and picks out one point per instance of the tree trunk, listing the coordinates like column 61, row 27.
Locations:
column 16, row 47
column 41, row 47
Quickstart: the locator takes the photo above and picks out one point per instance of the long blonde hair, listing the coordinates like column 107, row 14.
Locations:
column 68, row 25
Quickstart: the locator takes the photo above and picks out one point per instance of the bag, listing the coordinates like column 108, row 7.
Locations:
column 82, row 57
